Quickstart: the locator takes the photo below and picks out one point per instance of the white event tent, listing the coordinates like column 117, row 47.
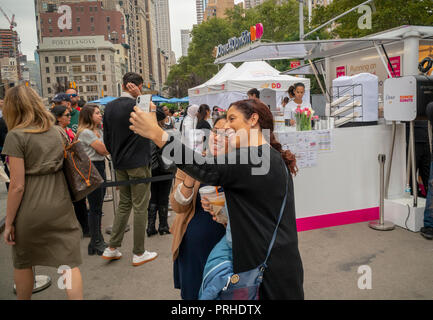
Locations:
column 231, row 84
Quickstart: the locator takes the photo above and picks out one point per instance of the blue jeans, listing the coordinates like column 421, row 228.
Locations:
column 428, row 212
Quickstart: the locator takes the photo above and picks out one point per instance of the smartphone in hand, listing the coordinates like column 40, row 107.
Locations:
column 143, row 102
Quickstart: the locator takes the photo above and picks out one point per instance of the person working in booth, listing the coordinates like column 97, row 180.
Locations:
column 289, row 110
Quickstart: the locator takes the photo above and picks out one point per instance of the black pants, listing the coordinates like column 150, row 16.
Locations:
column 422, row 163
column 3, row 158
column 96, row 198
column 81, row 214
column 160, row 190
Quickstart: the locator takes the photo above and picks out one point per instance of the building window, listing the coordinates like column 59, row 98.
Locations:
column 49, row 20
column 47, row 70
column 105, row 88
column 78, row 29
column 104, row 77
column 90, row 68
column 108, row 28
column 91, row 9
column 102, row 57
column 78, row 20
column 61, row 69
column 108, row 19
column 59, row 59
column 50, row 30
column 75, row 58
column 90, row 58
column 91, row 19
column 76, row 68
column 48, row 80
column 91, row 78
column 92, row 88
column 123, row 36
column 82, row 9
column 46, row 60
column 96, row 9
column 78, row 78
column 49, row 90
column 103, row 67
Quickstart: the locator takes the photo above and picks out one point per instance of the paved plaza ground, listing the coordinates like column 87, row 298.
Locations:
column 401, row 264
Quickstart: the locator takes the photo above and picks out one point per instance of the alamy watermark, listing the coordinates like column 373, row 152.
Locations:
column 365, row 280
column 233, row 149
column 65, row 280
column 364, row 22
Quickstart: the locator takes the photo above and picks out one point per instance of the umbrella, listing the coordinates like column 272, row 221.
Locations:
column 177, row 100
column 157, row 98
column 104, row 101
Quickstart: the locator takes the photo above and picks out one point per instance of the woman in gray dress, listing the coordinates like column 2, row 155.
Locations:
column 40, row 225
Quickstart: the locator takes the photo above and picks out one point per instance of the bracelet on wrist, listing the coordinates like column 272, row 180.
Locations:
column 188, row 187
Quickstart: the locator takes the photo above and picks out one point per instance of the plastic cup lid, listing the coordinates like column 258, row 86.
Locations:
column 207, row 190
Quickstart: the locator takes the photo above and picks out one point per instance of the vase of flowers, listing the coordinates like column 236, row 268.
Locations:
column 303, row 118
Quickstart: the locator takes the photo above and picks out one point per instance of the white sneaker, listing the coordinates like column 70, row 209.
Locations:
column 111, row 254
column 145, row 257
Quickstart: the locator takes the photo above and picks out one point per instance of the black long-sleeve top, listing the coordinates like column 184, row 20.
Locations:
column 254, row 202
column 128, row 150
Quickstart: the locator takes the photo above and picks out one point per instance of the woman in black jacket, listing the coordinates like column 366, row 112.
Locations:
column 160, row 190
column 254, row 180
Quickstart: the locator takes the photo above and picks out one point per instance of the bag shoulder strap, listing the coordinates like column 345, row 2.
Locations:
column 274, row 236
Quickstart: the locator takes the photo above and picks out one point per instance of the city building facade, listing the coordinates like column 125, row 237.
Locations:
column 83, row 62
column 185, row 37
column 217, row 8
column 128, row 23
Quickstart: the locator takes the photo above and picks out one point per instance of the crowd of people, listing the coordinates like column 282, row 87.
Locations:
column 44, row 227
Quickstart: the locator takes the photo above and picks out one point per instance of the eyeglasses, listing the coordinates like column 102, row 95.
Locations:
column 73, row 95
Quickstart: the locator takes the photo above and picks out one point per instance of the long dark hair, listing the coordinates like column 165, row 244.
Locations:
column 58, row 112
column 266, row 121
column 85, row 120
column 202, row 111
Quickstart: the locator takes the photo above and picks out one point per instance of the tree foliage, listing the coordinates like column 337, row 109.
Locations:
column 281, row 23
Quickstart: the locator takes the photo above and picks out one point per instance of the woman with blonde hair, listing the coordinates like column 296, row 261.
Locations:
column 90, row 135
column 40, row 225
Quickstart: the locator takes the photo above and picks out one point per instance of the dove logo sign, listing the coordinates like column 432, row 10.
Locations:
column 255, row 33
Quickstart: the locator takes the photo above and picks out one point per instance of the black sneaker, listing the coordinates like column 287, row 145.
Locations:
column 427, row 232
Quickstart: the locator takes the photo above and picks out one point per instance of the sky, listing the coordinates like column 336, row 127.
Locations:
column 182, row 16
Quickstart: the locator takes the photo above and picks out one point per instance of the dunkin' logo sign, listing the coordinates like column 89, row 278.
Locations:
column 406, row 98
column 255, row 33
column 274, row 85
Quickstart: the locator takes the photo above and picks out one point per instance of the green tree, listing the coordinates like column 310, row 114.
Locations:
column 386, row 14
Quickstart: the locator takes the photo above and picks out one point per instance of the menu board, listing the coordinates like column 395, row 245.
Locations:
column 306, row 145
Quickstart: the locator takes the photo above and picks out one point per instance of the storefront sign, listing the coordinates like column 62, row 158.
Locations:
column 295, row 64
column 341, row 71
column 255, row 33
column 74, row 42
column 396, row 64
column 275, row 85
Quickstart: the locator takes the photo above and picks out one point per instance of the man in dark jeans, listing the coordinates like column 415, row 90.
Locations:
column 131, row 156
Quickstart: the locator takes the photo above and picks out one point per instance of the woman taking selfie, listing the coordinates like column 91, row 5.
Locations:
column 90, row 134
column 194, row 232
column 253, row 213
column 40, row 222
